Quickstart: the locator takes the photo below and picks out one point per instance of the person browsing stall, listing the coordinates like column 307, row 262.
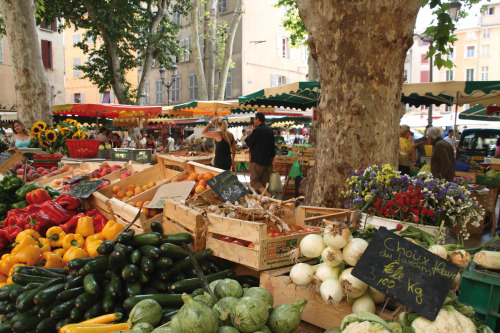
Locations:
column 262, row 152
column 225, row 145
column 150, row 143
column 443, row 158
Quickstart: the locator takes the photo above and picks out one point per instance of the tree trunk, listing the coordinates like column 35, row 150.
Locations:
column 211, row 50
column 224, row 68
column 359, row 47
column 313, row 74
column 198, row 58
column 32, row 86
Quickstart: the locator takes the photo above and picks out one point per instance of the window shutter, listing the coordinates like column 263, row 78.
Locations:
column 288, row 79
column 45, row 53
column 101, row 97
column 82, row 98
column 274, row 80
column 111, row 97
column 72, row 98
column 279, row 51
column 188, row 48
column 53, row 26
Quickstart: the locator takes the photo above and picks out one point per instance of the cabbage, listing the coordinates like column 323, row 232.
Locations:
column 227, row 329
column 146, row 311
column 205, row 299
column 143, row 328
column 285, row 318
column 213, row 284
column 263, row 329
column 223, row 309
column 261, row 294
column 175, row 324
column 228, row 287
column 249, row 314
column 196, row 317
column 165, row 330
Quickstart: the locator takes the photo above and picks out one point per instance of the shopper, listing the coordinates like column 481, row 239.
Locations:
column 243, row 137
column 407, row 154
column 150, row 143
column 101, row 135
column 117, row 142
column 225, row 145
column 262, row 152
column 443, row 158
column 169, row 143
column 21, row 135
column 420, row 144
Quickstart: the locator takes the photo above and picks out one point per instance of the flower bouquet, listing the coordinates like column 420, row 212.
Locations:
column 53, row 138
column 419, row 199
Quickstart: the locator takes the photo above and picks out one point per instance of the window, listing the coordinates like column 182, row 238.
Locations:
column 47, row 53
column 77, row 62
column 448, row 108
column 471, row 52
column 77, row 98
column 486, row 33
column 304, row 53
column 222, row 6
column 184, row 44
column 424, row 76
column 145, row 98
column 449, row 75
column 193, row 87
column 484, row 73
column 1, row 48
column 229, row 84
column 489, row 11
column 469, row 74
column 158, row 92
column 423, row 59
column 282, row 47
column 105, row 97
column 175, row 93
column 452, row 54
column 77, row 38
column 201, row 40
column 49, row 26
column 176, row 17
column 485, row 50
column 471, row 35
column 279, row 80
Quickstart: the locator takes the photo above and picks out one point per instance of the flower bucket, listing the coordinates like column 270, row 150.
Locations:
column 378, row 222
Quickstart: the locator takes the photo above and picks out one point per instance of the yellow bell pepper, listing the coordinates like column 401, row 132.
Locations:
column 56, row 236
column 52, row 260
column 74, row 252
column 3, row 284
column 92, row 247
column 29, row 255
column 11, row 272
column 72, row 240
column 111, row 230
column 85, row 226
column 94, row 237
column 60, row 252
column 7, row 263
column 9, row 280
column 28, row 232
column 3, row 278
column 27, row 241
column 45, row 244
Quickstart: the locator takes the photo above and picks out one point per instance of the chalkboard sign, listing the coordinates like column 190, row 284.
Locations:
column 76, row 179
column 4, row 157
column 406, row 272
column 85, row 188
column 227, row 186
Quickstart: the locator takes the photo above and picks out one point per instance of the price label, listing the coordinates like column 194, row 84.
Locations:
column 227, row 186
column 84, row 189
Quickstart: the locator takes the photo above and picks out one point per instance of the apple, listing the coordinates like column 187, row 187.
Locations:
column 40, row 170
column 18, row 165
column 20, row 171
column 96, row 174
column 105, row 172
column 115, row 168
column 65, row 168
column 35, row 175
column 44, row 172
column 53, row 168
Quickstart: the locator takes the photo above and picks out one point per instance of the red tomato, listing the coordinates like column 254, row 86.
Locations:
column 244, row 242
column 251, row 246
column 313, row 229
column 272, row 229
column 227, row 239
column 237, row 242
column 296, row 228
column 271, row 234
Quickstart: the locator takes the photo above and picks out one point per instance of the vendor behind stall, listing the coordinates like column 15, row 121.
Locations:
column 21, row 135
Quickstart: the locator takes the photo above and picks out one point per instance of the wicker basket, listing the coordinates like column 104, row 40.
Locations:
column 83, row 148
column 482, row 199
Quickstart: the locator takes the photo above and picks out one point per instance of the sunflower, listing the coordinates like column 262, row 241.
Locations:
column 51, row 136
column 40, row 125
column 35, row 132
column 65, row 130
column 44, row 144
column 72, row 122
column 77, row 135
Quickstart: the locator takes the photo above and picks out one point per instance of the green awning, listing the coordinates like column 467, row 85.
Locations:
column 479, row 112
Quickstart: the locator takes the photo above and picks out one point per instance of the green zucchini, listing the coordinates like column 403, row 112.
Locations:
column 32, row 285
column 74, row 283
column 91, row 285
column 3, row 305
column 177, row 239
column 40, row 271
column 49, row 294
column 115, row 285
column 85, row 301
column 76, row 314
column 62, row 310
column 185, row 263
column 167, row 316
column 10, row 307
column 150, row 251
column 172, row 251
column 98, row 265
column 5, row 328
column 158, row 284
column 162, row 299
column 25, row 301
column 176, row 277
column 188, row 285
column 126, row 237
column 135, row 257
column 47, row 325
column 157, row 226
column 162, row 275
column 145, row 278
column 94, row 311
column 198, row 291
column 25, row 324
column 164, row 264
column 70, row 293
column 147, row 238
column 133, row 288
column 108, row 301
column 61, row 323
column 121, row 247
column 78, row 263
column 117, row 259
column 150, row 290
column 26, row 278
column 15, row 293
column 106, row 247
column 131, row 273
column 252, row 281
column 5, row 291
column 147, row 265
column 45, row 311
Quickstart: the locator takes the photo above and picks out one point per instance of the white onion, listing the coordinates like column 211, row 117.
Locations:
column 302, row 274
column 376, row 295
column 324, row 272
column 364, row 303
column 336, row 234
column 439, row 250
column 331, row 291
column 331, row 257
column 353, row 250
column 461, row 258
column 456, row 282
column 352, row 286
column 312, row 245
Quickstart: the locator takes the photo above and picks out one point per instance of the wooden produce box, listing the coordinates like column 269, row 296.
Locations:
column 16, row 157
column 181, row 160
column 267, row 252
column 316, row 311
column 378, row 222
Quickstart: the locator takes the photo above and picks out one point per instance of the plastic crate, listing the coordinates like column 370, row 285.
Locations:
column 481, row 290
column 120, row 154
column 105, row 153
column 142, row 155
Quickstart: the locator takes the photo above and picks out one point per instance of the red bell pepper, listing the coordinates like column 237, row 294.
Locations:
column 33, row 208
column 69, row 202
column 8, row 235
column 99, row 220
column 38, row 221
column 70, row 226
column 38, row 196
column 15, row 217
column 55, row 212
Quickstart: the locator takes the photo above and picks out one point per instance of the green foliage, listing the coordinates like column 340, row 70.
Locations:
column 293, row 23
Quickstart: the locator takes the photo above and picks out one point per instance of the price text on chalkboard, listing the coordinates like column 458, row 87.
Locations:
column 4, row 157
column 406, row 272
column 85, row 188
column 227, row 186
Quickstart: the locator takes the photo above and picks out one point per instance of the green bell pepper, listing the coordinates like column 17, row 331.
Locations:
column 11, row 184
column 4, row 208
column 52, row 192
column 25, row 189
column 20, row 204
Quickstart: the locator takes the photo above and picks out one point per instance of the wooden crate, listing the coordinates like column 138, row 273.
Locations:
column 267, row 252
column 181, row 161
column 316, row 311
column 16, row 157
column 180, row 218
column 126, row 214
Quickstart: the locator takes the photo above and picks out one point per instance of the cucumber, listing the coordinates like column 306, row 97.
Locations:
column 32, row 285
column 10, row 307
column 167, row 316
column 133, row 288
column 176, row 277
column 45, row 311
column 47, row 325
column 121, row 247
column 131, row 273
column 62, row 310
column 106, row 247
column 98, row 265
column 25, row 324
column 177, row 239
column 115, row 285
column 85, row 301
column 70, row 293
column 188, row 285
column 150, row 251
column 156, row 226
column 135, row 257
column 40, row 271
column 26, row 278
column 48, row 295
column 76, row 314
column 108, row 301
column 172, row 251
column 117, row 260
column 3, row 305
column 10, row 315
column 15, row 293
column 73, row 283
column 61, row 323
column 94, row 311
column 25, row 301
column 158, row 284
column 91, row 285
column 78, row 263
column 162, row 299
column 5, row 291
column 147, row 238
column 150, row 290
column 147, row 265
column 185, row 263
column 198, row 291
column 126, row 237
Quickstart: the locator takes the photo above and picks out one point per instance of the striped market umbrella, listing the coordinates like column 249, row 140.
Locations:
column 481, row 112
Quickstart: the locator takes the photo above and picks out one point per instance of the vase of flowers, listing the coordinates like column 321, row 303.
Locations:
column 53, row 138
column 419, row 199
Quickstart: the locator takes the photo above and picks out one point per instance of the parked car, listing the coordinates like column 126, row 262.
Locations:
column 477, row 143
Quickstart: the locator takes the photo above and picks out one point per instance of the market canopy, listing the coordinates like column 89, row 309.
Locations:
column 480, row 112
column 8, row 116
column 298, row 95
column 208, row 108
column 103, row 110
